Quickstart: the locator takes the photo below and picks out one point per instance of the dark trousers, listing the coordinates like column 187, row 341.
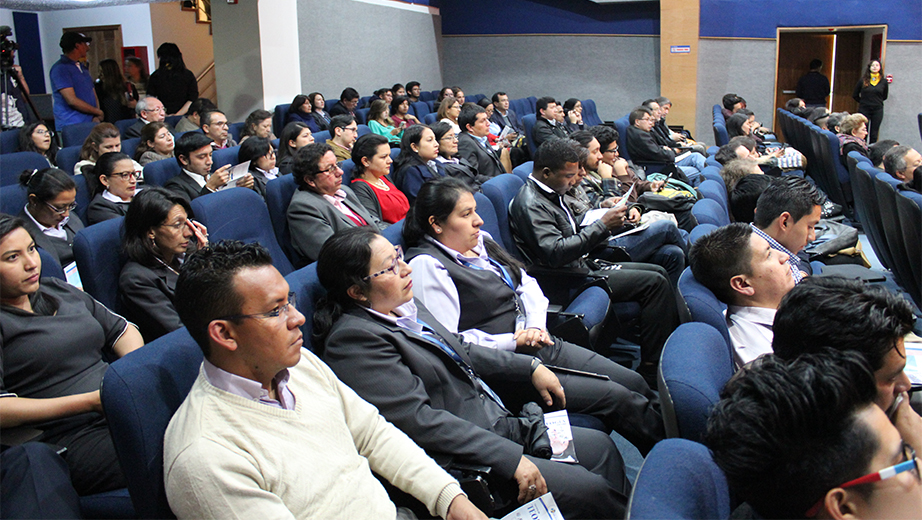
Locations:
column 875, row 116
column 90, row 455
column 36, row 484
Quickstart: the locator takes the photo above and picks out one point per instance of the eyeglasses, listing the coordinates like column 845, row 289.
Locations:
column 271, row 153
column 126, row 175
column 449, row 137
column 395, row 265
column 42, row 132
column 356, row 129
column 648, row 119
column 331, row 170
column 220, row 124
column 910, row 463
column 280, row 311
column 613, row 150
column 60, row 211
column 177, row 226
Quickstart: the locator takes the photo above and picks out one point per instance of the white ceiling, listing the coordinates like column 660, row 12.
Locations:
column 53, row 5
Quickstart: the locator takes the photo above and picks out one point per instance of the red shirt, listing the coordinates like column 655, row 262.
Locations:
column 394, row 204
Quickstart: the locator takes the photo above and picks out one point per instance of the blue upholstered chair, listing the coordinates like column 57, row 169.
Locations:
column 97, row 250
column 278, row 196
column 67, row 158
column 13, row 164
column 708, row 211
column 703, row 305
column 158, row 172
column 74, row 135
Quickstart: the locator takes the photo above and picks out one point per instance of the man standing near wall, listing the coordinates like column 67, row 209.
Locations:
column 74, row 96
column 813, row 87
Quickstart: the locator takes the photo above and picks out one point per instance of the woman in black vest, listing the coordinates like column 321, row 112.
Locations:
column 476, row 289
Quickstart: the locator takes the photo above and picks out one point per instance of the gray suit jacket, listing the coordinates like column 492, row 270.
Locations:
column 312, row 220
column 486, row 161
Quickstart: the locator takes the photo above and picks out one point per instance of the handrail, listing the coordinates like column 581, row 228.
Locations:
column 208, row 69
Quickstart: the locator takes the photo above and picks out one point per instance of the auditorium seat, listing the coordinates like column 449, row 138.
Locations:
column 12, row 199
column 361, row 115
column 430, row 118
column 703, row 305
column 347, row 166
column 13, row 164
column 885, row 186
column 322, row 136
column 172, row 121
column 362, row 130
column 156, row 173
column 83, row 197
column 123, row 125
column 9, row 141
column 873, row 227
column 278, row 196
column 699, row 231
column 278, row 118
column 130, row 146
column 909, row 210
column 224, row 156
column 74, row 135
column 708, row 211
column 420, row 109
column 529, row 120
column 590, row 115
column 524, row 170
column 234, row 131
column 98, row 252
column 717, row 191
column 67, row 158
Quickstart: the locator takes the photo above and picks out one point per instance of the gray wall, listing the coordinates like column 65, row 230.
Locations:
column 903, row 105
column 618, row 72
column 238, row 69
column 354, row 44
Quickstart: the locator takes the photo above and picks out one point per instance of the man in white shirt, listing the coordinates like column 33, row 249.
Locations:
column 751, row 277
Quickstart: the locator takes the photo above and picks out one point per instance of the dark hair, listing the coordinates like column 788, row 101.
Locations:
column 252, row 149
column 104, row 166
column 455, row 90
column 188, row 143
column 257, row 116
column 46, row 184
column 290, row 133
column 205, row 290
column 340, row 121
column 201, row 105
column 140, row 65
column 744, row 140
column 866, row 75
column 111, row 82
column 877, row 150
column 9, row 223
column 606, row 135
column 365, row 147
column 90, row 149
column 745, row 196
column 206, row 117
column 583, row 137
column 397, row 101
column 569, row 105
column 793, row 105
column 148, row 134
column 731, row 99
column 148, row 209
column 312, row 98
column 834, row 119
column 170, row 59
column 411, row 84
column 408, row 157
column 443, row 93
column 468, row 116
column 396, row 87
column 815, row 63
column 662, row 101
column 784, row 434
column 496, row 96
column 26, row 144
column 343, row 261
column 726, row 153
column 720, row 255
column 895, row 159
column 542, row 104
column 348, row 94
column 817, row 114
column 746, row 112
column 484, row 102
column 845, row 314
column 554, row 154
column 440, row 128
column 793, row 195
column 305, row 164
column 638, row 113
column 297, row 103
column 735, row 124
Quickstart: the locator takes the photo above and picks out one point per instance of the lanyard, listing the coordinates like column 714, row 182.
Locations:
column 506, row 277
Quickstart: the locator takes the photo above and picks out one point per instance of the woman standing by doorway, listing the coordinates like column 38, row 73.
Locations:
column 870, row 93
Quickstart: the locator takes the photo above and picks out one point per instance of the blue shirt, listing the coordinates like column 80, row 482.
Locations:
column 793, row 260
column 67, row 73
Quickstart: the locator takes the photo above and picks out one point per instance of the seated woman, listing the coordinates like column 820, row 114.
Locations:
column 400, row 112
column 475, row 288
column 372, row 157
column 156, row 143
column 573, row 115
column 259, row 124
column 437, row 388
column 158, row 234
column 261, row 155
column 54, row 338
column 853, row 136
column 47, row 215
column 381, row 123
column 295, row 135
column 118, row 181
column 322, row 205
column 449, row 111
column 321, row 116
column 104, row 138
column 309, row 110
column 37, row 138
column 453, row 164
column 416, row 163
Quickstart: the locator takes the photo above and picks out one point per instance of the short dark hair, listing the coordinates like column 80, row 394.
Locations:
column 649, row 102
column 365, row 146
column 745, row 196
column 792, row 194
column 306, row 163
column 396, row 87
column 412, row 84
column 731, row 99
column 205, row 290
column 815, row 63
column 845, row 314
column 496, row 96
column 47, row 183
column 257, row 116
column 340, row 121
column 348, row 94
column 201, row 105
column 9, row 223
column 726, row 153
column 638, row 113
column 468, row 115
column 720, row 255
column 253, row 148
column 793, row 105
column 148, row 209
column 554, row 154
column 606, row 135
column 206, row 116
column 542, row 104
column 784, row 434
column 583, row 137
column 744, row 140
column 104, row 166
column 895, row 159
column 735, row 124
column 877, row 150
column 188, row 143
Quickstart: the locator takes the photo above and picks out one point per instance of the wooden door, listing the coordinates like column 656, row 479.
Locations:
column 106, row 44
column 795, row 52
column 849, row 47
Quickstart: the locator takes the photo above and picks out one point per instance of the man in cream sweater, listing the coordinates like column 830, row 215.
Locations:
column 267, row 430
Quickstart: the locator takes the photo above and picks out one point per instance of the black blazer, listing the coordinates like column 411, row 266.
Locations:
column 47, row 243
column 544, row 130
column 367, row 197
column 514, row 121
column 185, row 187
column 422, row 391
column 146, row 295
column 486, row 161
column 135, row 129
column 101, row 209
column 642, row 146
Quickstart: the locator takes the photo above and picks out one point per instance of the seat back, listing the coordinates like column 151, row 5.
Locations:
column 240, row 214
column 885, row 187
column 529, row 121
column 172, row 121
column 708, row 211
column 717, row 191
column 590, row 115
column 279, row 192
column 347, row 166
column 9, row 141
column 362, row 130
column 13, row 164
column 140, row 393
column 421, row 108
column 713, row 173
column 909, row 210
column 490, row 221
column 361, row 115
column 50, row 266
column 225, row 156
column 83, row 197
column 124, row 124
column 278, row 118
column 501, row 190
column 322, row 136
column 97, row 250
column 873, row 226
column 430, row 118
column 306, row 286
column 234, row 130
column 679, row 481
column 621, row 125
column 860, row 201
column 67, row 158
column 703, row 305
column 394, row 234
column 158, row 172
column 12, row 199
column 695, row 365
column 74, row 135
column 130, row 146
column 699, row 231
column 524, row 170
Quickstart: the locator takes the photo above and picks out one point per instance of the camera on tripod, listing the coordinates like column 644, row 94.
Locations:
column 7, row 47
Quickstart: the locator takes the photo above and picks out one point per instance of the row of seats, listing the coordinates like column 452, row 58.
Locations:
column 721, row 137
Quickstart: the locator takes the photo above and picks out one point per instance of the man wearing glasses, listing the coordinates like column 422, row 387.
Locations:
column 642, row 145
column 194, row 154
column 804, row 439
column 215, row 126
column 267, row 430
column 149, row 110
column 344, row 131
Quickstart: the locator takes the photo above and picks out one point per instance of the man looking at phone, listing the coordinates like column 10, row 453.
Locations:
column 193, row 153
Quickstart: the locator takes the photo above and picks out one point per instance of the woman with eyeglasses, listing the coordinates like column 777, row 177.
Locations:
column 322, row 205
column 158, row 234
column 48, row 214
column 118, row 182
column 37, row 138
column 261, row 154
column 449, row 111
column 294, row 136
column 573, row 115
column 54, row 338
column 372, row 157
column 453, row 164
column 156, row 143
column 416, row 163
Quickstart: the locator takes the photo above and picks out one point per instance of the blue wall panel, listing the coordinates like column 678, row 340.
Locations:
column 25, row 33
column 748, row 19
column 548, row 17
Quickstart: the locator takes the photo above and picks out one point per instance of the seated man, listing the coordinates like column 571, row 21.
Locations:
column 665, row 136
column 745, row 196
column 149, row 110
column 786, row 217
column 731, row 104
column 348, row 100
column 505, row 116
column 215, row 126
column 474, row 147
column 794, row 438
column 642, row 145
column 877, row 151
column 547, row 235
column 797, row 107
column 900, row 161
column 193, row 153
column 267, row 430
column 546, row 126
column 343, row 133
column 853, row 317
column 740, row 147
column 413, row 91
column 740, row 268
column 193, row 118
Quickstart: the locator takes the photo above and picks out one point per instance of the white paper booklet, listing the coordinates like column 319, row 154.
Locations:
column 541, row 508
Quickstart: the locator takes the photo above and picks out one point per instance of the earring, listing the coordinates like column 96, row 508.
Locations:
column 438, row 230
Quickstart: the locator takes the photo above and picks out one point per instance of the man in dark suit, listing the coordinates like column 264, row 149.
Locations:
column 348, row 100
column 473, row 145
column 149, row 110
column 193, row 153
column 642, row 145
column 547, row 234
column 546, row 126
column 505, row 116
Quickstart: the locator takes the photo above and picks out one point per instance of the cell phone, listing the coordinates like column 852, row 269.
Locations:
column 891, row 412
